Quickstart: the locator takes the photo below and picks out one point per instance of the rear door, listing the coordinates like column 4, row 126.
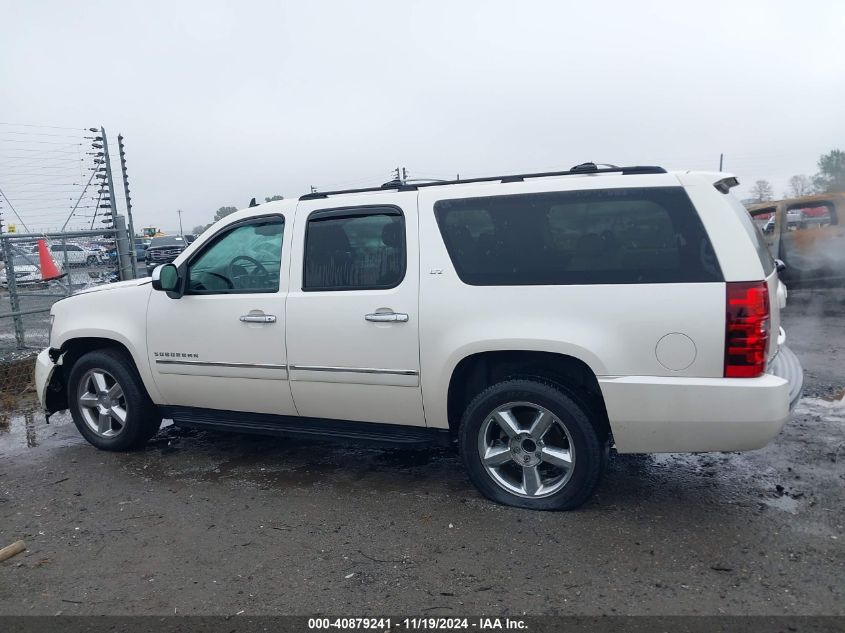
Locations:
column 352, row 310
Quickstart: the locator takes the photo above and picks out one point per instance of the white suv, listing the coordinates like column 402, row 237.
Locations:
column 537, row 319
column 75, row 254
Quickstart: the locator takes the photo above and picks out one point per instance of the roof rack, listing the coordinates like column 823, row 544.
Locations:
column 583, row 168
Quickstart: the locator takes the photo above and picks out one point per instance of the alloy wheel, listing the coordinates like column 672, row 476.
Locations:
column 526, row 449
column 102, row 403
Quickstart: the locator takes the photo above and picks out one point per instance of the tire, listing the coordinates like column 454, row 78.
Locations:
column 111, row 431
column 91, row 260
column 557, row 468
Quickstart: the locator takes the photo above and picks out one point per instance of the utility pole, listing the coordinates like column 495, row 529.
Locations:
column 721, row 161
column 181, row 232
column 127, row 268
column 131, row 224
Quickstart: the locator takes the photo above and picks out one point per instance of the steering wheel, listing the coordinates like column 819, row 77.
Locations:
column 226, row 280
column 196, row 283
column 254, row 278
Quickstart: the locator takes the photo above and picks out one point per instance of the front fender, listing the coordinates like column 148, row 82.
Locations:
column 117, row 314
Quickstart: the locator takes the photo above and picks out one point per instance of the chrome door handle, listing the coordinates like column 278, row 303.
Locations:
column 258, row 318
column 387, row 317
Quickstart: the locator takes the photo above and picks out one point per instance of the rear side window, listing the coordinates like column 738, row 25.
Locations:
column 359, row 248
column 604, row 236
column 755, row 233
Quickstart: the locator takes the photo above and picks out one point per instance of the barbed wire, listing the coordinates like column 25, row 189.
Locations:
column 43, row 174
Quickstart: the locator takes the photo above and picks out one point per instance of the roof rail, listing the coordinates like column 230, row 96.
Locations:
column 583, row 168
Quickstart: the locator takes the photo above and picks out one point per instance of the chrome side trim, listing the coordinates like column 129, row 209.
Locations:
column 206, row 363
column 357, row 370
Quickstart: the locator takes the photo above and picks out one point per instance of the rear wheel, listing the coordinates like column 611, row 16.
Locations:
column 528, row 444
column 108, row 402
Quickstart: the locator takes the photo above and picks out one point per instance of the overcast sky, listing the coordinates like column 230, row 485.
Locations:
column 222, row 101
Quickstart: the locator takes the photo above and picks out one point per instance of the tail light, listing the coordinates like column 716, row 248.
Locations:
column 746, row 329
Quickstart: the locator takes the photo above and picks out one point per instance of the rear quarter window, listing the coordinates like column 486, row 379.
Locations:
column 755, row 234
column 604, row 236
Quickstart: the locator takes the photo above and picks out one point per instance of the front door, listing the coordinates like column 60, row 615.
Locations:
column 352, row 310
column 222, row 344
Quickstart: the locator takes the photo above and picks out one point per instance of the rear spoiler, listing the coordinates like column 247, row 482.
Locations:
column 726, row 184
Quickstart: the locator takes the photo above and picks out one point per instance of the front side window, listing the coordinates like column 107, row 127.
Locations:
column 605, row 236
column 354, row 249
column 245, row 259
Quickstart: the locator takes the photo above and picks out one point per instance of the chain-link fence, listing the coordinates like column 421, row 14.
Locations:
column 77, row 260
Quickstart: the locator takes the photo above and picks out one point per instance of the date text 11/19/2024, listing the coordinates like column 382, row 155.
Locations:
column 417, row 624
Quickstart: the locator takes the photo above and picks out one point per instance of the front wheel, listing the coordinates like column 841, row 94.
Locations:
column 529, row 444
column 108, row 402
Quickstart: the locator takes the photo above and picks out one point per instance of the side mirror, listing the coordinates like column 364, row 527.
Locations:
column 780, row 265
column 166, row 278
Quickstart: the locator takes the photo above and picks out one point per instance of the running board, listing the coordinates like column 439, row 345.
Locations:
column 310, row 428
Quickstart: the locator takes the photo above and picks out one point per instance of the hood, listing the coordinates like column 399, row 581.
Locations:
column 118, row 284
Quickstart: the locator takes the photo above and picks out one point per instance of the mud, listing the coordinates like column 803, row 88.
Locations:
column 221, row 523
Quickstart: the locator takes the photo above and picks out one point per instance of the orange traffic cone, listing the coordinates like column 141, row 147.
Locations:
column 49, row 270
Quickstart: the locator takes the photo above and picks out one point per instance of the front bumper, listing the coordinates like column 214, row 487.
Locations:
column 651, row 414
column 44, row 368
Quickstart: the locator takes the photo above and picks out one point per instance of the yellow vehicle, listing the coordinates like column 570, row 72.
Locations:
column 808, row 235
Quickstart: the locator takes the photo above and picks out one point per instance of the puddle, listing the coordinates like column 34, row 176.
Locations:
column 24, row 427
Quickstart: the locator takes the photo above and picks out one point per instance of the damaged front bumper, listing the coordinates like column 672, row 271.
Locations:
column 48, row 381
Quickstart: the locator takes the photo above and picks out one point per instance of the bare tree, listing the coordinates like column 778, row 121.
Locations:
column 800, row 185
column 761, row 191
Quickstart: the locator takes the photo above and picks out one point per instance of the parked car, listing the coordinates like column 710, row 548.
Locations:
column 535, row 320
column 141, row 250
column 808, row 235
column 27, row 273
column 163, row 250
column 76, row 255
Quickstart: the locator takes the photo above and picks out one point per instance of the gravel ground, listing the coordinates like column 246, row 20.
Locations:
column 221, row 524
